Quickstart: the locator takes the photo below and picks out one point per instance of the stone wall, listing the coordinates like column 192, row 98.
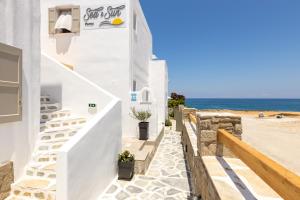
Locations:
column 206, row 136
column 6, row 179
column 202, row 185
column 187, row 111
column 190, row 156
column 180, row 114
column 208, row 125
column 178, row 118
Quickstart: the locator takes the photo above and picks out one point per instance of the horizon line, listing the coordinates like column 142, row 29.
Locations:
column 296, row 98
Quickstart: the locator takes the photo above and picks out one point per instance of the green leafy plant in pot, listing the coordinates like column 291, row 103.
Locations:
column 126, row 165
column 142, row 116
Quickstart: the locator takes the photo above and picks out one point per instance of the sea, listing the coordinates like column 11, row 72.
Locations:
column 245, row 104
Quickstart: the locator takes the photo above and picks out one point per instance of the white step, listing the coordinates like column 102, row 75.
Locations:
column 57, row 135
column 51, row 107
column 46, row 116
column 65, row 122
column 50, row 145
column 45, row 99
column 47, row 170
column 34, row 188
column 57, row 127
column 45, row 157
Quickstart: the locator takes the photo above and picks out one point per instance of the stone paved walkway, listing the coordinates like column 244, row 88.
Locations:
column 167, row 177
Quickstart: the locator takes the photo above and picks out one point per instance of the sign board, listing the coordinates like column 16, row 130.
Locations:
column 133, row 97
column 92, row 108
column 92, row 105
column 104, row 16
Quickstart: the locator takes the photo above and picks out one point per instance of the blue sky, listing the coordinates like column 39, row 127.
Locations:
column 228, row 48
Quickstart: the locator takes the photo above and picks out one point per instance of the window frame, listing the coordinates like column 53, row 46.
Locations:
column 57, row 10
column 135, row 23
column 134, row 86
column 13, row 117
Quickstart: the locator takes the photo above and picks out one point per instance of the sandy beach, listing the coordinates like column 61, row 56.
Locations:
column 277, row 138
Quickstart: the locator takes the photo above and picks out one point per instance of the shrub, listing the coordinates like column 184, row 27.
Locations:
column 168, row 122
column 126, row 156
column 176, row 100
column 142, row 116
column 172, row 103
column 176, row 96
column 171, row 113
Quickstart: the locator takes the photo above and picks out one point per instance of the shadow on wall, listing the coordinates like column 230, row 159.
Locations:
column 240, row 185
column 63, row 42
column 55, row 91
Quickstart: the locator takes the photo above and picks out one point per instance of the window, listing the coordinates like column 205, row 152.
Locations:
column 145, row 96
column 10, row 83
column 64, row 19
column 64, row 22
column 134, row 86
column 135, row 22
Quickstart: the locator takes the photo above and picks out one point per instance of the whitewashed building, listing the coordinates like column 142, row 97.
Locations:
column 70, row 72
column 19, row 81
column 110, row 44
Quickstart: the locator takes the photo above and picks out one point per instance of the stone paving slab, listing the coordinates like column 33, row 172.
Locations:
column 167, row 177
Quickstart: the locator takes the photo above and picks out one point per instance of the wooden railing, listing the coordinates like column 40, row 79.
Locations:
column 283, row 181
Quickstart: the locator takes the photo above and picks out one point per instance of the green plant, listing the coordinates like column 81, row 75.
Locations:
column 176, row 100
column 172, row 103
column 176, row 96
column 142, row 116
column 126, row 156
column 171, row 113
column 168, row 122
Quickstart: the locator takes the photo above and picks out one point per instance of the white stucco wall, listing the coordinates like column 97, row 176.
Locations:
column 140, row 56
column 141, row 47
column 20, row 26
column 70, row 89
column 98, row 143
column 88, row 163
column 150, row 106
column 108, row 57
column 159, row 86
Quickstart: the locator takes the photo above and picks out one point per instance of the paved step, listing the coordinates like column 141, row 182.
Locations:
column 50, row 145
column 58, row 134
column 57, row 127
column 47, row 170
column 45, row 99
column 34, row 188
column 13, row 197
column 44, row 157
column 51, row 107
column 65, row 122
column 47, row 116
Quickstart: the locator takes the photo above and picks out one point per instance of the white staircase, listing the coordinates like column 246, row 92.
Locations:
column 57, row 127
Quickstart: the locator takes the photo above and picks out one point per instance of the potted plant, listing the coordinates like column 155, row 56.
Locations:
column 126, row 165
column 142, row 116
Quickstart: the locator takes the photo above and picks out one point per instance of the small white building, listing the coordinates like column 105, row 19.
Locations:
column 70, row 72
column 109, row 43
